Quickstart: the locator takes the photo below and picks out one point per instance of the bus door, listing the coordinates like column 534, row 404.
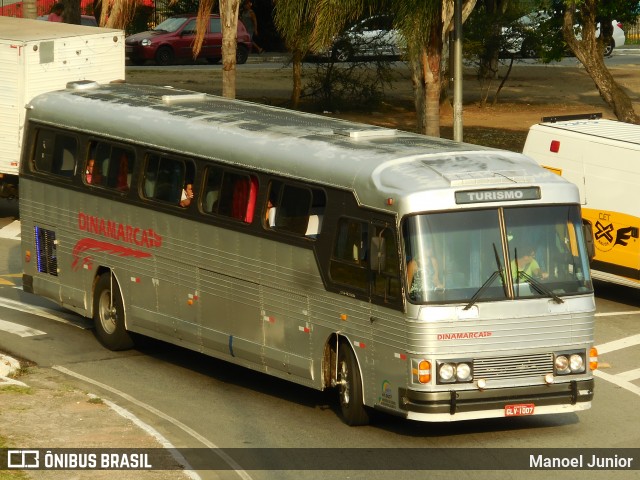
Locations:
column 388, row 325
column 349, row 270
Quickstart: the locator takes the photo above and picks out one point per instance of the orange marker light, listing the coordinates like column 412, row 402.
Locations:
column 593, row 358
column 424, row 372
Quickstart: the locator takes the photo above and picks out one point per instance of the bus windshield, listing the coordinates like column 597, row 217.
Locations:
column 496, row 254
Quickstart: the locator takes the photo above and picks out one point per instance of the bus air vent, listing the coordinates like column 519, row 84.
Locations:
column 83, row 85
column 183, row 97
column 365, row 132
column 46, row 248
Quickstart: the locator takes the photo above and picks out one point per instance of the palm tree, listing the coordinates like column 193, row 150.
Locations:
column 423, row 23
column 229, row 19
column 294, row 20
column 121, row 11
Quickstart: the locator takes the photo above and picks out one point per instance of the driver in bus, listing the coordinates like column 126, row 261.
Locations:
column 526, row 263
column 428, row 264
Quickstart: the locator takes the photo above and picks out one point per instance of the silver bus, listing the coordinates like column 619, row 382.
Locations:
column 433, row 280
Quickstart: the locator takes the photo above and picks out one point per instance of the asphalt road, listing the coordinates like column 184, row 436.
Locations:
column 199, row 402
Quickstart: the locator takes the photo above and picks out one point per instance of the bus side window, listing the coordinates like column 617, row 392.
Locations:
column 238, row 194
column 164, row 178
column 295, row 209
column 55, row 153
column 211, row 193
column 112, row 166
column 349, row 263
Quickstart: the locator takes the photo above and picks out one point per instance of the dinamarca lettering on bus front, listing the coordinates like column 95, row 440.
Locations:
column 463, row 335
column 113, row 230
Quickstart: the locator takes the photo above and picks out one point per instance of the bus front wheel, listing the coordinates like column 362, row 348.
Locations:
column 108, row 314
column 350, row 388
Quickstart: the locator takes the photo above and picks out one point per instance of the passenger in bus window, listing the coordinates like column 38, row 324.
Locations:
column 270, row 215
column 89, row 171
column 187, row 195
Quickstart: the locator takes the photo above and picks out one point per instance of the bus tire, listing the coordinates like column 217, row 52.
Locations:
column 350, row 391
column 108, row 318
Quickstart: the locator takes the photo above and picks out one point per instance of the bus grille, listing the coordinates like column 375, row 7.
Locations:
column 513, row 367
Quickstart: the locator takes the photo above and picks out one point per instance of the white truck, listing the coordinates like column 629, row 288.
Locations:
column 38, row 56
column 602, row 157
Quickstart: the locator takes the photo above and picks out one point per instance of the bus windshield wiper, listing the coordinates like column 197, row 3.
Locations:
column 540, row 287
column 489, row 281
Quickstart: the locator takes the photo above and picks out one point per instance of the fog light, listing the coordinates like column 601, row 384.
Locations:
column 549, row 378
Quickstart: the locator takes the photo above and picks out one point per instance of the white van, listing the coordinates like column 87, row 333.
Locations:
column 602, row 157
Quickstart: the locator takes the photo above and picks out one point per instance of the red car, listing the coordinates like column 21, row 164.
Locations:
column 172, row 41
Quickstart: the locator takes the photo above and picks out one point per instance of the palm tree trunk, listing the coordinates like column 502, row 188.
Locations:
column 296, row 91
column 229, row 19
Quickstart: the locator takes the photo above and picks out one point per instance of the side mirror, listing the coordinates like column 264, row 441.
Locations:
column 587, row 232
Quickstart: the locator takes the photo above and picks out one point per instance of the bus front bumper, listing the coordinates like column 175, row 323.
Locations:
column 466, row 404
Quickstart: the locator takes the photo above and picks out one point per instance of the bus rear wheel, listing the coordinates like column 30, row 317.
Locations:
column 350, row 388
column 108, row 314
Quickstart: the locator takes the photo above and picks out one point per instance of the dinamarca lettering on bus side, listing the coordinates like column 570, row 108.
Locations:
column 119, row 231
column 463, row 335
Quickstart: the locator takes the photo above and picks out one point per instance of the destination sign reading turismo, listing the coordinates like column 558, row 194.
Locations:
column 497, row 195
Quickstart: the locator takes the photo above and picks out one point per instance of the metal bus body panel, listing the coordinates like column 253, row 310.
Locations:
column 261, row 303
column 214, row 300
column 502, row 326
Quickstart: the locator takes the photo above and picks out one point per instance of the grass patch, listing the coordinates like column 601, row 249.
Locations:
column 16, row 389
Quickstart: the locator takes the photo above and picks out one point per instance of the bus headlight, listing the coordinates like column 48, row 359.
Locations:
column 562, row 365
column 455, row 372
column 446, row 371
column 463, row 372
column 568, row 363
column 576, row 363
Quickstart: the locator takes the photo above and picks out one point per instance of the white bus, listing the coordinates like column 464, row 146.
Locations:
column 293, row 258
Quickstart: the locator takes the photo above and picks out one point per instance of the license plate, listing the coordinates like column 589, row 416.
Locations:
column 519, row 410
